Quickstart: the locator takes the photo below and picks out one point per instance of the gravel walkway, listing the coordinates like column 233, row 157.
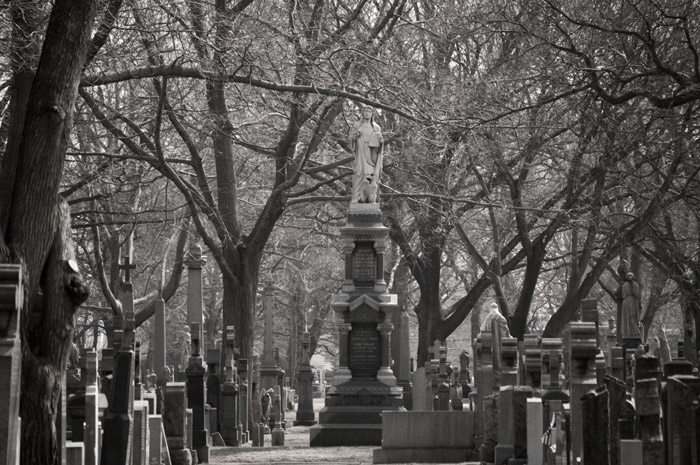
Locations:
column 296, row 450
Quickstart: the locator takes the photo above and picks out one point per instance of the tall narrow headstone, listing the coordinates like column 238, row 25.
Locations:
column 582, row 377
column 196, row 397
column 213, row 388
column 244, row 399
column 159, row 338
column 11, row 298
column 305, row 377
column 228, row 411
column 141, row 440
column 195, row 296
column 118, row 421
column 404, row 373
column 535, row 428
column 277, row 432
column 91, row 436
column 175, row 423
column 269, row 370
column 596, row 426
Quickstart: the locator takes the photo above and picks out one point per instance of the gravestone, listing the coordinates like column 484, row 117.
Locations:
column 118, row 421
column 364, row 384
column 681, row 420
column 11, row 299
column 490, row 431
column 512, row 425
column 269, row 369
column 213, row 387
column 91, row 435
column 141, row 442
column 419, row 388
column 243, row 399
column 305, row 377
column 175, row 423
column 196, row 397
column 535, row 429
column 277, row 433
column 404, row 370
column 616, row 395
column 159, row 339
column 228, row 410
column 532, row 359
column 582, row 377
column 596, row 426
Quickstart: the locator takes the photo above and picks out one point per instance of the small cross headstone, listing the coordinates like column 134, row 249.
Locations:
column 127, row 266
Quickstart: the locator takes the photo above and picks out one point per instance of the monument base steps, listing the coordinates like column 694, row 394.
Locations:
column 344, row 434
column 420, row 455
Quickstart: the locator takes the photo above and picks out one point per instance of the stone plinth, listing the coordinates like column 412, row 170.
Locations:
column 435, row 437
column 364, row 384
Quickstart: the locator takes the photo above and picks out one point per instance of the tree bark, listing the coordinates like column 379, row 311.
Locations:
column 37, row 228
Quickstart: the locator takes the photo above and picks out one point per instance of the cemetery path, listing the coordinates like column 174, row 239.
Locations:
column 296, row 450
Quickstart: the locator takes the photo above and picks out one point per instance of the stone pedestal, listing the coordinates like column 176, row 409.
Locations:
column 364, row 384
column 305, row 377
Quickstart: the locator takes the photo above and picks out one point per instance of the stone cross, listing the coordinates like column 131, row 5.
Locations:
column 127, row 266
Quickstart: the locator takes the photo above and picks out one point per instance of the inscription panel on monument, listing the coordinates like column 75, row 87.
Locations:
column 364, row 263
column 364, row 350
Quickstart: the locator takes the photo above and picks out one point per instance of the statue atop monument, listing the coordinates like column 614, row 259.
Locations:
column 367, row 144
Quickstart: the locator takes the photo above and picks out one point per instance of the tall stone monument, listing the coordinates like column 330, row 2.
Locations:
column 364, row 384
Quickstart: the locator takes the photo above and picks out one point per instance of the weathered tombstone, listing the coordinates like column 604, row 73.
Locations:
column 213, row 387
column 155, row 440
column 196, row 397
column 159, row 350
column 596, row 427
column 535, row 428
column 582, row 377
column 11, row 298
column 269, row 370
column 512, row 425
column 419, row 386
column 616, row 394
column 175, row 423
column 305, row 377
column 681, row 425
column 649, row 414
column 228, row 411
column 141, row 441
column 617, row 363
column 243, row 399
column 118, row 421
column 403, row 379
column 91, row 436
column 490, row 433
column 465, row 377
column 277, row 434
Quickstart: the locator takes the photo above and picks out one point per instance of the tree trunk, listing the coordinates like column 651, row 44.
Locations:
column 37, row 228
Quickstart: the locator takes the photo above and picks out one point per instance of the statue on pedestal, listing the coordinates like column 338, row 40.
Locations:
column 367, row 144
column 631, row 309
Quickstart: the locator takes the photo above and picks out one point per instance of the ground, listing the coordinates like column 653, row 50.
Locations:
column 296, row 450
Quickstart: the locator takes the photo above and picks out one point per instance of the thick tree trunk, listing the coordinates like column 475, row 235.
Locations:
column 37, row 229
column 239, row 299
